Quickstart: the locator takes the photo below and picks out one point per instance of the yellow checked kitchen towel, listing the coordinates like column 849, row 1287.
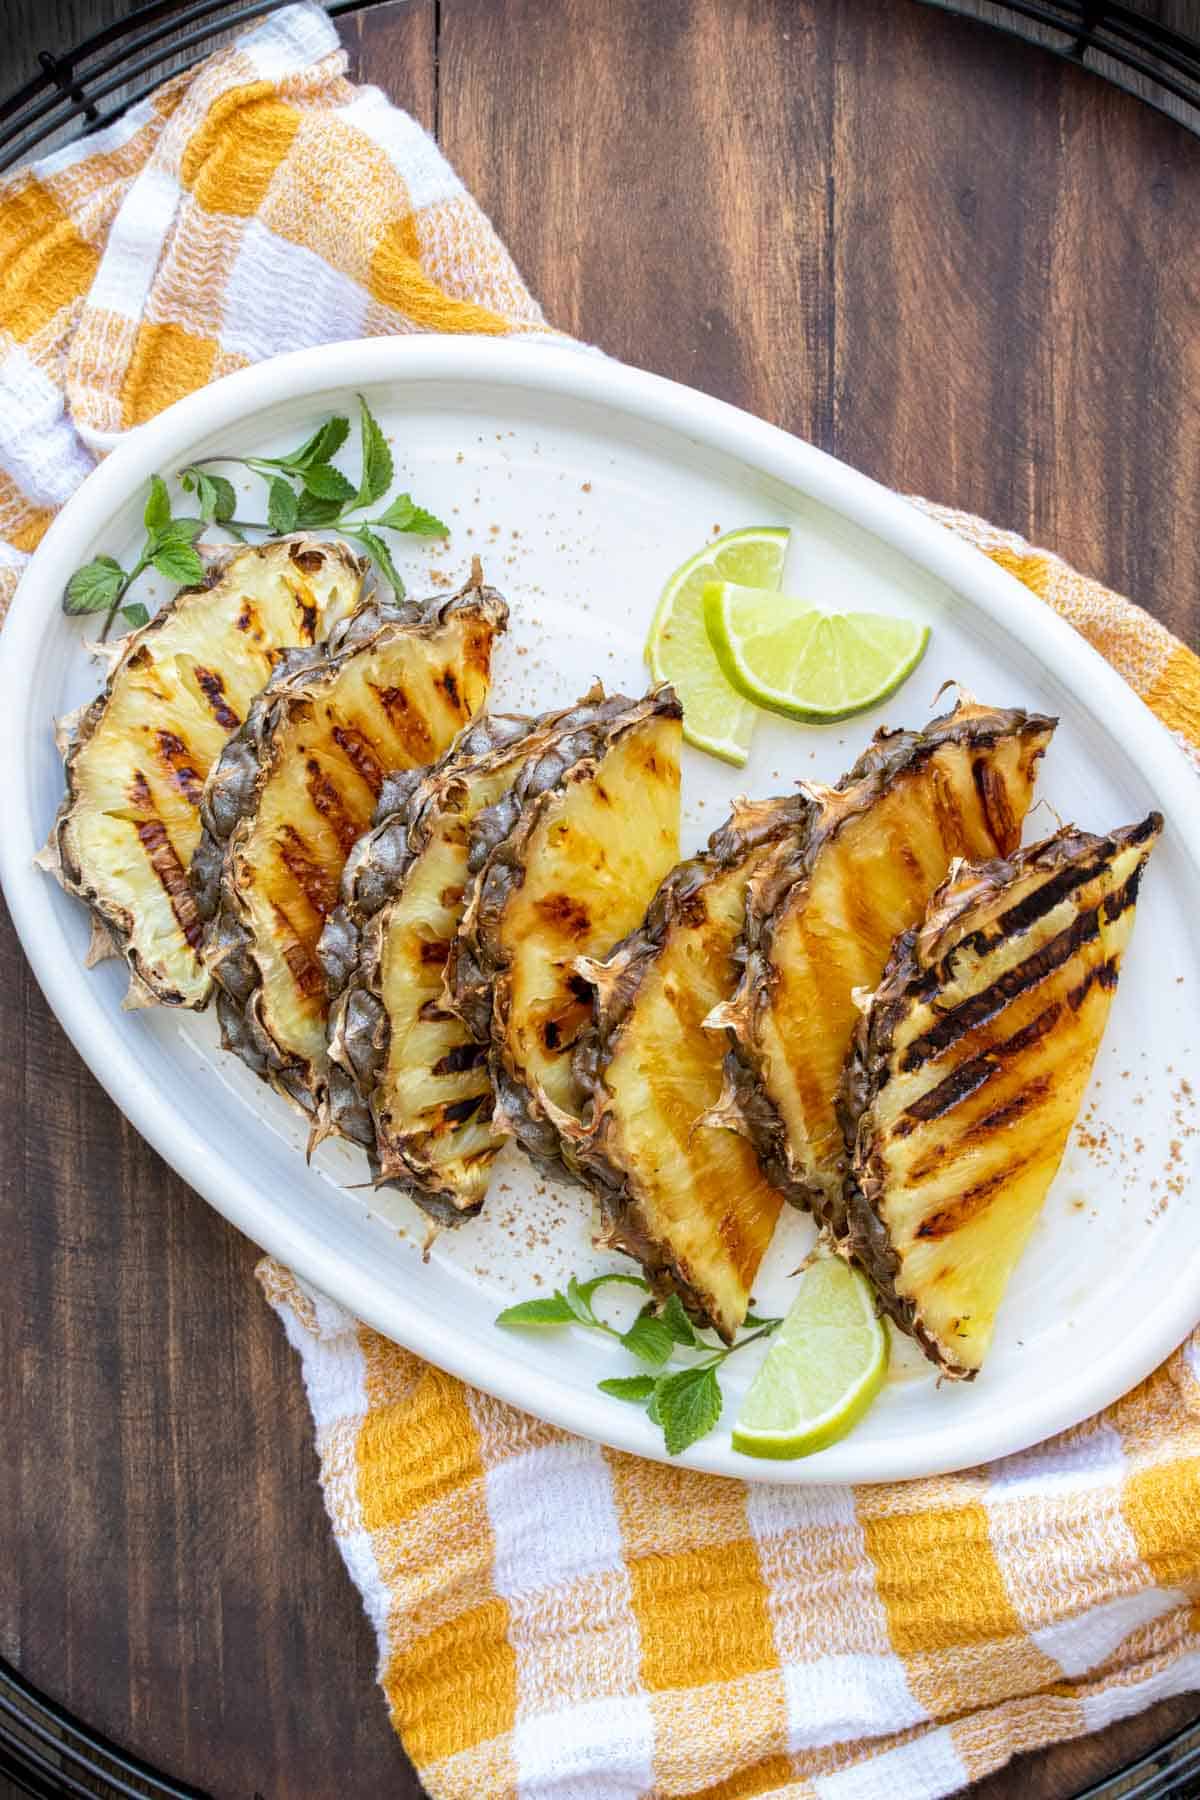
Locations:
column 555, row 1620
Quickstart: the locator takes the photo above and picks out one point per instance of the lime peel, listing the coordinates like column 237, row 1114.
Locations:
column 715, row 718
column 824, row 1367
column 787, row 656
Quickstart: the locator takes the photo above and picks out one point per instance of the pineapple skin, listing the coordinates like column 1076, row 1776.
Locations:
column 139, row 754
column 407, row 1078
column 967, row 1072
column 824, row 911
column 685, row 1198
column 563, row 866
column 292, row 794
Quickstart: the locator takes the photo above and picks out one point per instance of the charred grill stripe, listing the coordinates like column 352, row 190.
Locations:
column 459, row 1111
column 979, row 1008
column 360, row 754
column 970, row 1076
column 318, row 884
column 434, row 952
column 173, row 754
column 329, row 803
column 1104, row 974
column 992, row 790
column 160, row 853
column 212, row 686
column 460, row 1058
column 304, row 971
column 946, row 1151
column 972, row 1200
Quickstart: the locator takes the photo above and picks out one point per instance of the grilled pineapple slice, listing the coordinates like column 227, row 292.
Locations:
column 968, row 1070
column 137, row 762
column 687, row 1200
column 293, row 792
column 571, row 858
column 407, row 1078
column 822, row 915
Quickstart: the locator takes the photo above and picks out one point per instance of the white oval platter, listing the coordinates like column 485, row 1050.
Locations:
column 582, row 483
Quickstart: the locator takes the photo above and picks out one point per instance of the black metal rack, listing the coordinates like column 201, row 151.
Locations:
column 44, row 1750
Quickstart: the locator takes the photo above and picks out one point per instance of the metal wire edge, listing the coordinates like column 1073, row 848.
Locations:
column 66, row 1752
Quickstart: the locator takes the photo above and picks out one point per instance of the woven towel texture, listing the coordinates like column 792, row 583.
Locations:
column 555, row 1620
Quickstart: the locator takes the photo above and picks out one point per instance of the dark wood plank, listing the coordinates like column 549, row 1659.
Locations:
column 956, row 262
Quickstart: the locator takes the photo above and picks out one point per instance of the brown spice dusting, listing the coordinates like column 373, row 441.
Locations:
column 585, row 487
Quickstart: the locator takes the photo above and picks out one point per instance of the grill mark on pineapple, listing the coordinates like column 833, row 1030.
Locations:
column 449, row 686
column 979, row 1008
column 212, row 686
column 360, row 754
column 248, row 621
column 406, row 722
column 434, row 952
column 569, row 916
column 451, row 897
column 162, row 857
column 970, row 1076
column 1019, row 918
column 318, row 884
column 1103, row 974
column 992, row 790
column 950, row 823
column 172, row 752
column 328, row 801
column 459, row 1111
column 939, row 1155
column 309, row 560
column 307, row 610
column 459, row 1058
column 432, row 1014
column 972, row 1201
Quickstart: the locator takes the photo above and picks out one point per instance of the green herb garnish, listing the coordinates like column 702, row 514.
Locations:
column 304, row 492
column 685, row 1403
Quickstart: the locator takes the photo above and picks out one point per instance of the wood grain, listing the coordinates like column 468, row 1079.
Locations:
column 958, row 263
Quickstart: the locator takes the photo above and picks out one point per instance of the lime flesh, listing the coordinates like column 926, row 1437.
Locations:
column 715, row 718
column 825, row 1365
column 782, row 654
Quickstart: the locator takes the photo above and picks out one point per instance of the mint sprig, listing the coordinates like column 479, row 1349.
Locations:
column 102, row 584
column 305, row 491
column 685, row 1403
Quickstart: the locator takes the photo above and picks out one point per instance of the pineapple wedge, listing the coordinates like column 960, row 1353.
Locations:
column 407, row 1078
column 140, row 753
column 295, row 789
column 570, row 859
column 687, row 1200
column 824, row 911
column 968, row 1069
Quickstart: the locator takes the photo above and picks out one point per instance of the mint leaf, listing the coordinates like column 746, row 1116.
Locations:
column 282, row 508
column 588, row 1288
column 580, row 1302
column 325, row 442
column 637, row 1388
column 158, row 505
column 136, row 614
column 313, row 513
column 675, row 1320
column 403, row 515
column 327, row 482
column 178, row 562
column 94, row 587
column 553, row 1310
column 763, row 1324
column 382, row 555
column 376, row 477
column 218, row 501
column 176, row 531
column 649, row 1339
column 688, row 1405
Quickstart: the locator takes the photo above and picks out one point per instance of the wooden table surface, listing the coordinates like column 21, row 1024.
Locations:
column 948, row 258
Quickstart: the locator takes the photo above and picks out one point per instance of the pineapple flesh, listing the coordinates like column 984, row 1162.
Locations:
column 968, row 1070
column 407, row 1078
column 687, row 1199
column 294, row 791
column 135, row 769
column 571, row 859
column 823, row 913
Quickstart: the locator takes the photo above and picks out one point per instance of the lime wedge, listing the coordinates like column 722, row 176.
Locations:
column 825, row 1365
column 785, row 655
column 677, row 649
